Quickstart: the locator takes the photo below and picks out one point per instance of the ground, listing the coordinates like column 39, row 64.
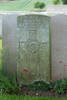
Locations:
column 14, row 97
column 21, row 5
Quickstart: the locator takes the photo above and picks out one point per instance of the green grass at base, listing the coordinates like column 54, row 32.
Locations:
column 14, row 97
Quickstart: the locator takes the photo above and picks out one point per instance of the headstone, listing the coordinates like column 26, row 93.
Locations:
column 59, row 46
column 9, row 44
column 33, row 48
column 0, row 24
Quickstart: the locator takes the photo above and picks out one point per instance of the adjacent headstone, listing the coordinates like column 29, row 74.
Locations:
column 9, row 44
column 0, row 24
column 59, row 46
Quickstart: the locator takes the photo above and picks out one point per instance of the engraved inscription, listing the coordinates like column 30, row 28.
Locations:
column 33, row 51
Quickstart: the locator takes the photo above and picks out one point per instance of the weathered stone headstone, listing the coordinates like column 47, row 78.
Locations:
column 33, row 48
column 59, row 46
column 0, row 24
column 9, row 44
column 26, row 44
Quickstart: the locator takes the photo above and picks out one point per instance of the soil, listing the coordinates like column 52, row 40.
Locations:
column 26, row 91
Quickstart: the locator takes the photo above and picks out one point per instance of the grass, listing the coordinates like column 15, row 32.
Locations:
column 14, row 97
column 21, row 5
